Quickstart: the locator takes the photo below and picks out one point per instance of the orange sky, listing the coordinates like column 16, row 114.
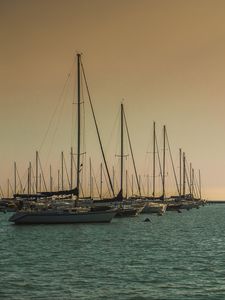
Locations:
column 164, row 58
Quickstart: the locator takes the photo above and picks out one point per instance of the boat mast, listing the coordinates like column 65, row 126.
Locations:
column 50, row 179
column 199, row 179
column 78, row 124
column 8, row 188
column 58, row 179
column 164, row 160
column 191, row 180
column 29, row 179
column 180, row 156
column 71, row 168
column 101, row 181
column 14, row 177
column 121, row 151
column 90, row 179
column 153, row 175
column 184, row 173
column 132, row 185
column 113, row 178
column 40, row 182
column 62, row 169
column 36, row 181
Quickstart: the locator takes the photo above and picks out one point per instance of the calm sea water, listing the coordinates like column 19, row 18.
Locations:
column 176, row 256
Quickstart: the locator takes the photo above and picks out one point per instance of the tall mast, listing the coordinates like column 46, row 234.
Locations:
column 140, row 180
column 153, row 175
column 36, row 181
column 78, row 124
column 50, row 178
column 58, row 179
column 199, row 179
column 191, row 180
column 14, row 178
column 121, row 151
column 184, row 174
column 40, row 182
column 71, row 169
column 90, row 180
column 29, row 179
column 132, row 185
column 100, row 180
column 164, row 160
column 62, row 169
column 8, row 188
column 126, row 184
column 113, row 178
column 180, row 156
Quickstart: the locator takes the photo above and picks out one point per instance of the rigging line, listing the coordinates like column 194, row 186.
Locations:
column 197, row 188
column 18, row 175
column 160, row 167
column 75, row 168
column 107, row 184
column 132, row 155
column 84, row 127
column 42, row 173
column 96, row 125
column 98, row 191
column 32, row 185
column 186, row 172
column 11, row 188
column 1, row 192
column 67, row 175
column 56, row 129
column 171, row 158
column 56, row 108
column 194, row 190
column 113, row 130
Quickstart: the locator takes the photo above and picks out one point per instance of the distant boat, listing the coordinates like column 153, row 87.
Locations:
column 46, row 215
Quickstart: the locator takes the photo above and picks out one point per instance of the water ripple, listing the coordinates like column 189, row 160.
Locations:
column 177, row 256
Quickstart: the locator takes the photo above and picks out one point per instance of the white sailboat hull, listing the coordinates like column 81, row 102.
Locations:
column 154, row 208
column 57, row 217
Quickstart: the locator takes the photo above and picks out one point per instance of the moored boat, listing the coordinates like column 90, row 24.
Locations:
column 61, row 216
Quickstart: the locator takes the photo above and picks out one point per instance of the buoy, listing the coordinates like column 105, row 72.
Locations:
column 147, row 220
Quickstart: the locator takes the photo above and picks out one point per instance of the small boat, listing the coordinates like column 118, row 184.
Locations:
column 126, row 212
column 154, row 208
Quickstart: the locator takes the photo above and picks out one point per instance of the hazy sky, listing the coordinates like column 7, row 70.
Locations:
column 166, row 59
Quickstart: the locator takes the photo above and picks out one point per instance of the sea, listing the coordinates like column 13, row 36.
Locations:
column 174, row 256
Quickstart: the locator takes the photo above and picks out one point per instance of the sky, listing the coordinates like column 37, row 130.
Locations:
column 164, row 59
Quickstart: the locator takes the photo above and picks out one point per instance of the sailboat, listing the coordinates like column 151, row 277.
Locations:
column 156, row 205
column 125, row 208
column 48, row 215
